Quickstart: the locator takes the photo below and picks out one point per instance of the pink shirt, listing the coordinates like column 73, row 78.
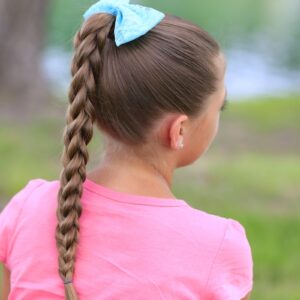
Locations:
column 131, row 247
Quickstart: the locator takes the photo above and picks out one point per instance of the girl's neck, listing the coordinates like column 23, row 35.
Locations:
column 133, row 177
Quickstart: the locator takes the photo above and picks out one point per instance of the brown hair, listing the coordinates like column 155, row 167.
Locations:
column 125, row 90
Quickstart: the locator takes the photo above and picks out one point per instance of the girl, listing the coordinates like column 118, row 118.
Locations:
column 154, row 86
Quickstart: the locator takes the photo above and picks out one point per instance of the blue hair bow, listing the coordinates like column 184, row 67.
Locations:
column 132, row 20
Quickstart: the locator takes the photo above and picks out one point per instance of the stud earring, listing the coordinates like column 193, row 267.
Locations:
column 180, row 144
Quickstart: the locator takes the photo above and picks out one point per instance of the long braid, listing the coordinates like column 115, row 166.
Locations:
column 86, row 66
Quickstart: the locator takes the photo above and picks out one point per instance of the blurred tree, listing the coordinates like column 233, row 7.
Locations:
column 23, row 89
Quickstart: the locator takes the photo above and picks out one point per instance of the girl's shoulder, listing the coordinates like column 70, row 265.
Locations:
column 230, row 273
column 17, row 200
column 11, row 213
column 215, row 226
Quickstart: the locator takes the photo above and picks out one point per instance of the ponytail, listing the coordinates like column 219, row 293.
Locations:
column 86, row 66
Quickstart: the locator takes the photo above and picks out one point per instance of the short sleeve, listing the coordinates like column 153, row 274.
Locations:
column 231, row 276
column 10, row 214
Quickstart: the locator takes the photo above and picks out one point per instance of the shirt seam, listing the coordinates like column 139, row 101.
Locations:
column 134, row 203
column 247, row 289
column 216, row 255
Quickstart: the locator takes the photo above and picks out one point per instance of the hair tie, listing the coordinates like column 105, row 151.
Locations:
column 132, row 20
column 68, row 281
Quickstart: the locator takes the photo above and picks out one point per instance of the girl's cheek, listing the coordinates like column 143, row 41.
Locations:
column 217, row 123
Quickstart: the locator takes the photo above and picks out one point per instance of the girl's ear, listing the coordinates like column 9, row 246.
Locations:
column 176, row 131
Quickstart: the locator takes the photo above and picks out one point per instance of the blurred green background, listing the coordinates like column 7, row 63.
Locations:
column 251, row 172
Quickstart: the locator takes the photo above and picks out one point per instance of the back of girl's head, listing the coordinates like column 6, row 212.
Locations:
column 125, row 90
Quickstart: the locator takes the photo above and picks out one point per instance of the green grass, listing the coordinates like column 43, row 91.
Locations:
column 28, row 152
column 268, row 114
column 250, row 183
column 257, row 184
